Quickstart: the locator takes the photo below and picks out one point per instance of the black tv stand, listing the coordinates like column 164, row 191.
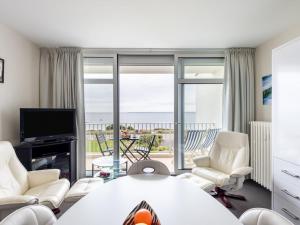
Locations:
column 58, row 154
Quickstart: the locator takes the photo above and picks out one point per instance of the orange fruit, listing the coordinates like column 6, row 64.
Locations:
column 143, row 216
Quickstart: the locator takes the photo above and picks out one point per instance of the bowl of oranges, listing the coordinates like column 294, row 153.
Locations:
column 142, row 214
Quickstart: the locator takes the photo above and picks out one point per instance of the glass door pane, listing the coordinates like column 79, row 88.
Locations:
column 147, row 113
column 200, row 95
column 98, row 68
column 99, row 108
column 204, row 68
column 202, row 116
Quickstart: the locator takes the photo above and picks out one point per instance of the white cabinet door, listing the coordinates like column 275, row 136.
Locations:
column 286, row 102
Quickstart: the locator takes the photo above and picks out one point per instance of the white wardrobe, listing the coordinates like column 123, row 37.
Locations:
column 286, row 130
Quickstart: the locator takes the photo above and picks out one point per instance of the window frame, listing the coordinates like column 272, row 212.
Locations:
column 114, row 82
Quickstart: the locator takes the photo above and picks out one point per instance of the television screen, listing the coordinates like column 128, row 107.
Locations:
column 47, row 123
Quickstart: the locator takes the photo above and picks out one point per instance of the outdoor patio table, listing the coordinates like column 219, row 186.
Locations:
column 175, row 201
column 127, row 152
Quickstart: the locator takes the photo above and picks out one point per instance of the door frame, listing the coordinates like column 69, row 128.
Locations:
column 179, row 104
column 178, row 109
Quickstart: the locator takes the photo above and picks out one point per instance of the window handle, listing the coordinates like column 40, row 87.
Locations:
column 290, row 194
column 290, row 174
column 290, row 214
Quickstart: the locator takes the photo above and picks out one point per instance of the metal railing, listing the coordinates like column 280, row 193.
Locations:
column 164, row 130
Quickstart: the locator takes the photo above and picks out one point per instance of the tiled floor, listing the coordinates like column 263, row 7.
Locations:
column 256, row 195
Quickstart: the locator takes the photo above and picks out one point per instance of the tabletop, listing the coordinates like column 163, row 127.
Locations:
column 107, row 161
column 175, row 201
column 127, row 138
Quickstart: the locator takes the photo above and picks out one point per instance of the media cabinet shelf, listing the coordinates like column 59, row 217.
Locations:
column 49, row 155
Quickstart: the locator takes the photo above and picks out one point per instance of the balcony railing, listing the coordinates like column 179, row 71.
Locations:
column 165, row 132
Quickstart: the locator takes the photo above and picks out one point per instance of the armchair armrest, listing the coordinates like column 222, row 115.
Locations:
column 241, row 172
column 202, row 161
column 17, row 201
column 39, row 177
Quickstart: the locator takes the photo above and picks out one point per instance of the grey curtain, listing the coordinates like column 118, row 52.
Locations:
column 61, row 86
column 239, row 89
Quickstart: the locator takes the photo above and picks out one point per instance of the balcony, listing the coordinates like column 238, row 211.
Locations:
column 163, row 147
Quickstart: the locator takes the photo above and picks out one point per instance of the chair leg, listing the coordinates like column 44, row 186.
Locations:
column 225, row 201
column 56, row 210
column 239, row 197
column 223, row 195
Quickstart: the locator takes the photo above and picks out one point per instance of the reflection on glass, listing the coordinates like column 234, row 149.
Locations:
column 99, row 121
column 204, row 72
column 147, row 110
column 202, row 68
column 98, row 68
column 202, row 114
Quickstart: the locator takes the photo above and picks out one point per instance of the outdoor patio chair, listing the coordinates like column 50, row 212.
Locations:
column 194, row 139
column 198, row 142
column 210, row 138
column 144, row 151
column 105, row 151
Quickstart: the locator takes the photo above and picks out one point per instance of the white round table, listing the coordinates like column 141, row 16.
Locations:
column 175, row 201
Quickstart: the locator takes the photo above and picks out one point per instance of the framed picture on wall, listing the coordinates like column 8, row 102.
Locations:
column 1, row 70
column 267, row 89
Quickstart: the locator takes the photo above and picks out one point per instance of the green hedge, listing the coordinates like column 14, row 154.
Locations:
column 92, row 145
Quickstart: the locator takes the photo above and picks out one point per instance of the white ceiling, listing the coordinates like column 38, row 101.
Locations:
column 150, row 23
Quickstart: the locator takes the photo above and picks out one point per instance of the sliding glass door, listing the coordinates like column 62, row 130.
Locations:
column 129, row 99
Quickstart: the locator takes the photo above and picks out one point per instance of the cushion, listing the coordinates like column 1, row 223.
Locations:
column 202, row 183
column 230, row 151
column 50, row 194
column 82, row 187
column 217, row 177
column 8, row 183
column 13, row 175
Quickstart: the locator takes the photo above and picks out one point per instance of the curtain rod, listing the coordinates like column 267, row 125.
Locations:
column 155, row 50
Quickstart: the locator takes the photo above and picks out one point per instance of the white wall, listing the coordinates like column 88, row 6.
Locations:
column 21, row 81
column 264, row 66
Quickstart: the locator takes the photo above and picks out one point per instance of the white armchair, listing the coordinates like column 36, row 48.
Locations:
column 226, row 165
column 19, row 188
column 260, row 216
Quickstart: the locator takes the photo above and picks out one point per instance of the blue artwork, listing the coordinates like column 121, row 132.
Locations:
column 267, row 89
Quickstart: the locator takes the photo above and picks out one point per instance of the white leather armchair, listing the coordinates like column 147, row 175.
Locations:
column 19, row 188
column 259, row 216
column 30, row 215
column 226, row 165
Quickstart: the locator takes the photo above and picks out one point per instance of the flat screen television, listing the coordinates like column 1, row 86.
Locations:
column 46, row 124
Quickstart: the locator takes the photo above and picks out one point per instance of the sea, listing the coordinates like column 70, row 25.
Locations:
column 136, row 117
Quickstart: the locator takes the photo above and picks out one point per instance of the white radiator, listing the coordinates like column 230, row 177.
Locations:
column 261, row 155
